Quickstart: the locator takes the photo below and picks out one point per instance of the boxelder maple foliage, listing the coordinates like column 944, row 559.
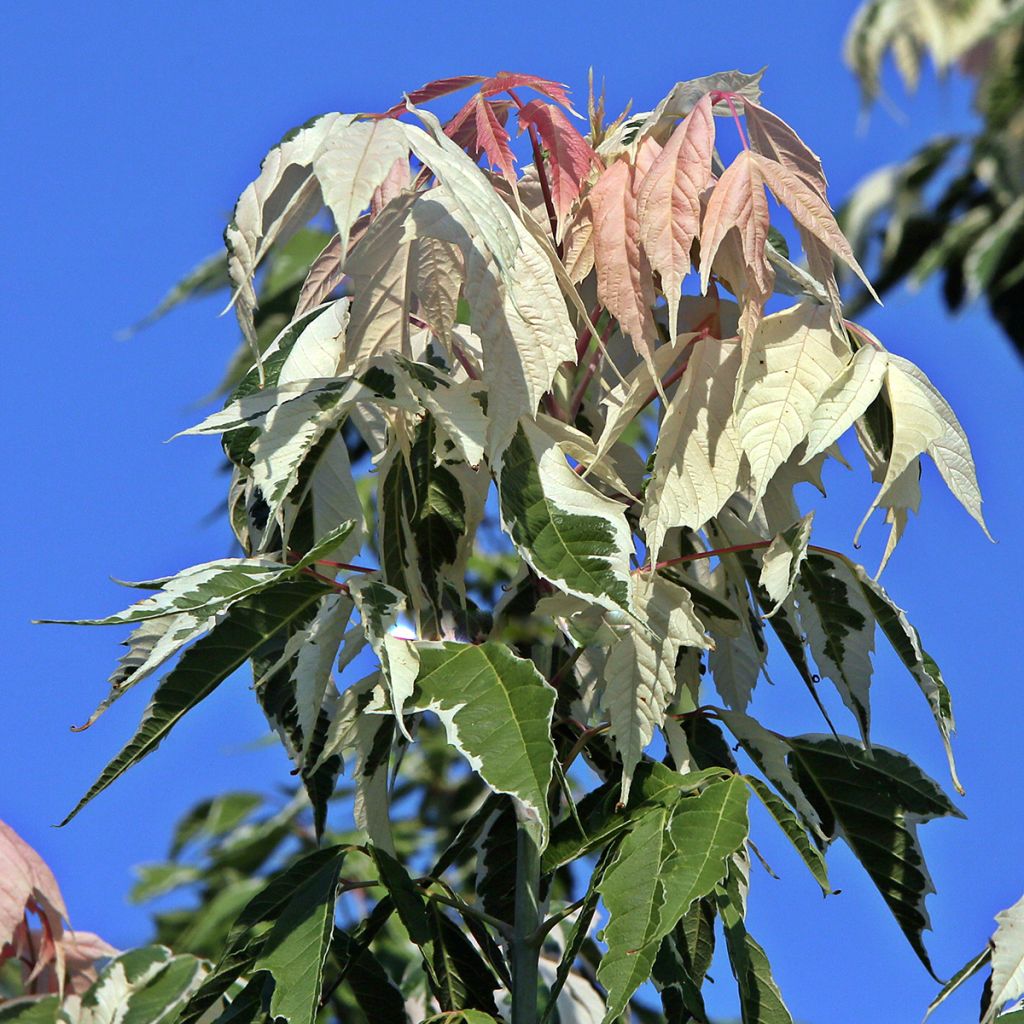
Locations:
column 564, row 379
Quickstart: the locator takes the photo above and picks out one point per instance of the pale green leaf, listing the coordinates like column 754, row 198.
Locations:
column 496, row 710
column 296, row 948
column 569, row 532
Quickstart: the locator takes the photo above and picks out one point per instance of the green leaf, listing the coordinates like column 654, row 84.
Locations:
column 296, row 948
column 496, row 709
column 760, row 998
column 794, row 831
column 34, row 1011
column 567, row 531
column 875, row 801
column 966, row 972
column 142, row 986
column 249, row 938
column 375, row 993
column 669, row 859
column 213, row 818
column 683, row 960
column 840, row 630
column 204, row 666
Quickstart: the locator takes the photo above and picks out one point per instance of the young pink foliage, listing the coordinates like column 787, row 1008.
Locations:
column 668, row 200
column 432, row 90
column 492, row 138
column 738, row 202
column 624, row 285
column 25, row 879
column 570, row 157
column 809, row 209
column 503, row 81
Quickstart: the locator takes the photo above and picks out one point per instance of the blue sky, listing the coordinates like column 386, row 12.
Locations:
column 130, row 130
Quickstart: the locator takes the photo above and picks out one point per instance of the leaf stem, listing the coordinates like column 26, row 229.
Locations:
column 542, row 174
column 524, row 948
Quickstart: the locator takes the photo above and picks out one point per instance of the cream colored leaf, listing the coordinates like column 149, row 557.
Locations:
column 697, row 461
column 319, row 350
column 846, row 399
column 1007, row 958
column 794, row 357
column 738, row 202
column 640, row 680
column 351, row 165
column 285, row 193
column 782, row 559
column 483, row 214
column 438, row 280
column 578, row 243
column 924, row 422
column 525, row 331
column 810, row 210
column 668, row 200
column 382, row 275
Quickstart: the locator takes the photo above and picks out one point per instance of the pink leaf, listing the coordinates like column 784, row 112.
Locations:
column 809, row 209
column 25, row 878
column 399, row 178
column 624, row 284
column 738, row 202
column 325, row 274
column 668, row 200
column 505, row 80
column 492, row 138
column 570, row 157
column 432, row 90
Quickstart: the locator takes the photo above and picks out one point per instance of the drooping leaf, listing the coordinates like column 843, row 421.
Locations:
column 640, row 670
column 569, row 532
column 296, row 947
column 251, row 934
column 496, row 709
column 810, row 210
column 738, row 203
column 783, row 558
column 668, row 200
column 846, row 399
column 569, row 156
column 760, row 999
column 1007, row 983
column 793, row 358
column 285, row 193
column 697, row 461
column 875, row 801
column 668, row 860
column 205, row 665
column 840, row 628
column 624, row 284
column 924, row 422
